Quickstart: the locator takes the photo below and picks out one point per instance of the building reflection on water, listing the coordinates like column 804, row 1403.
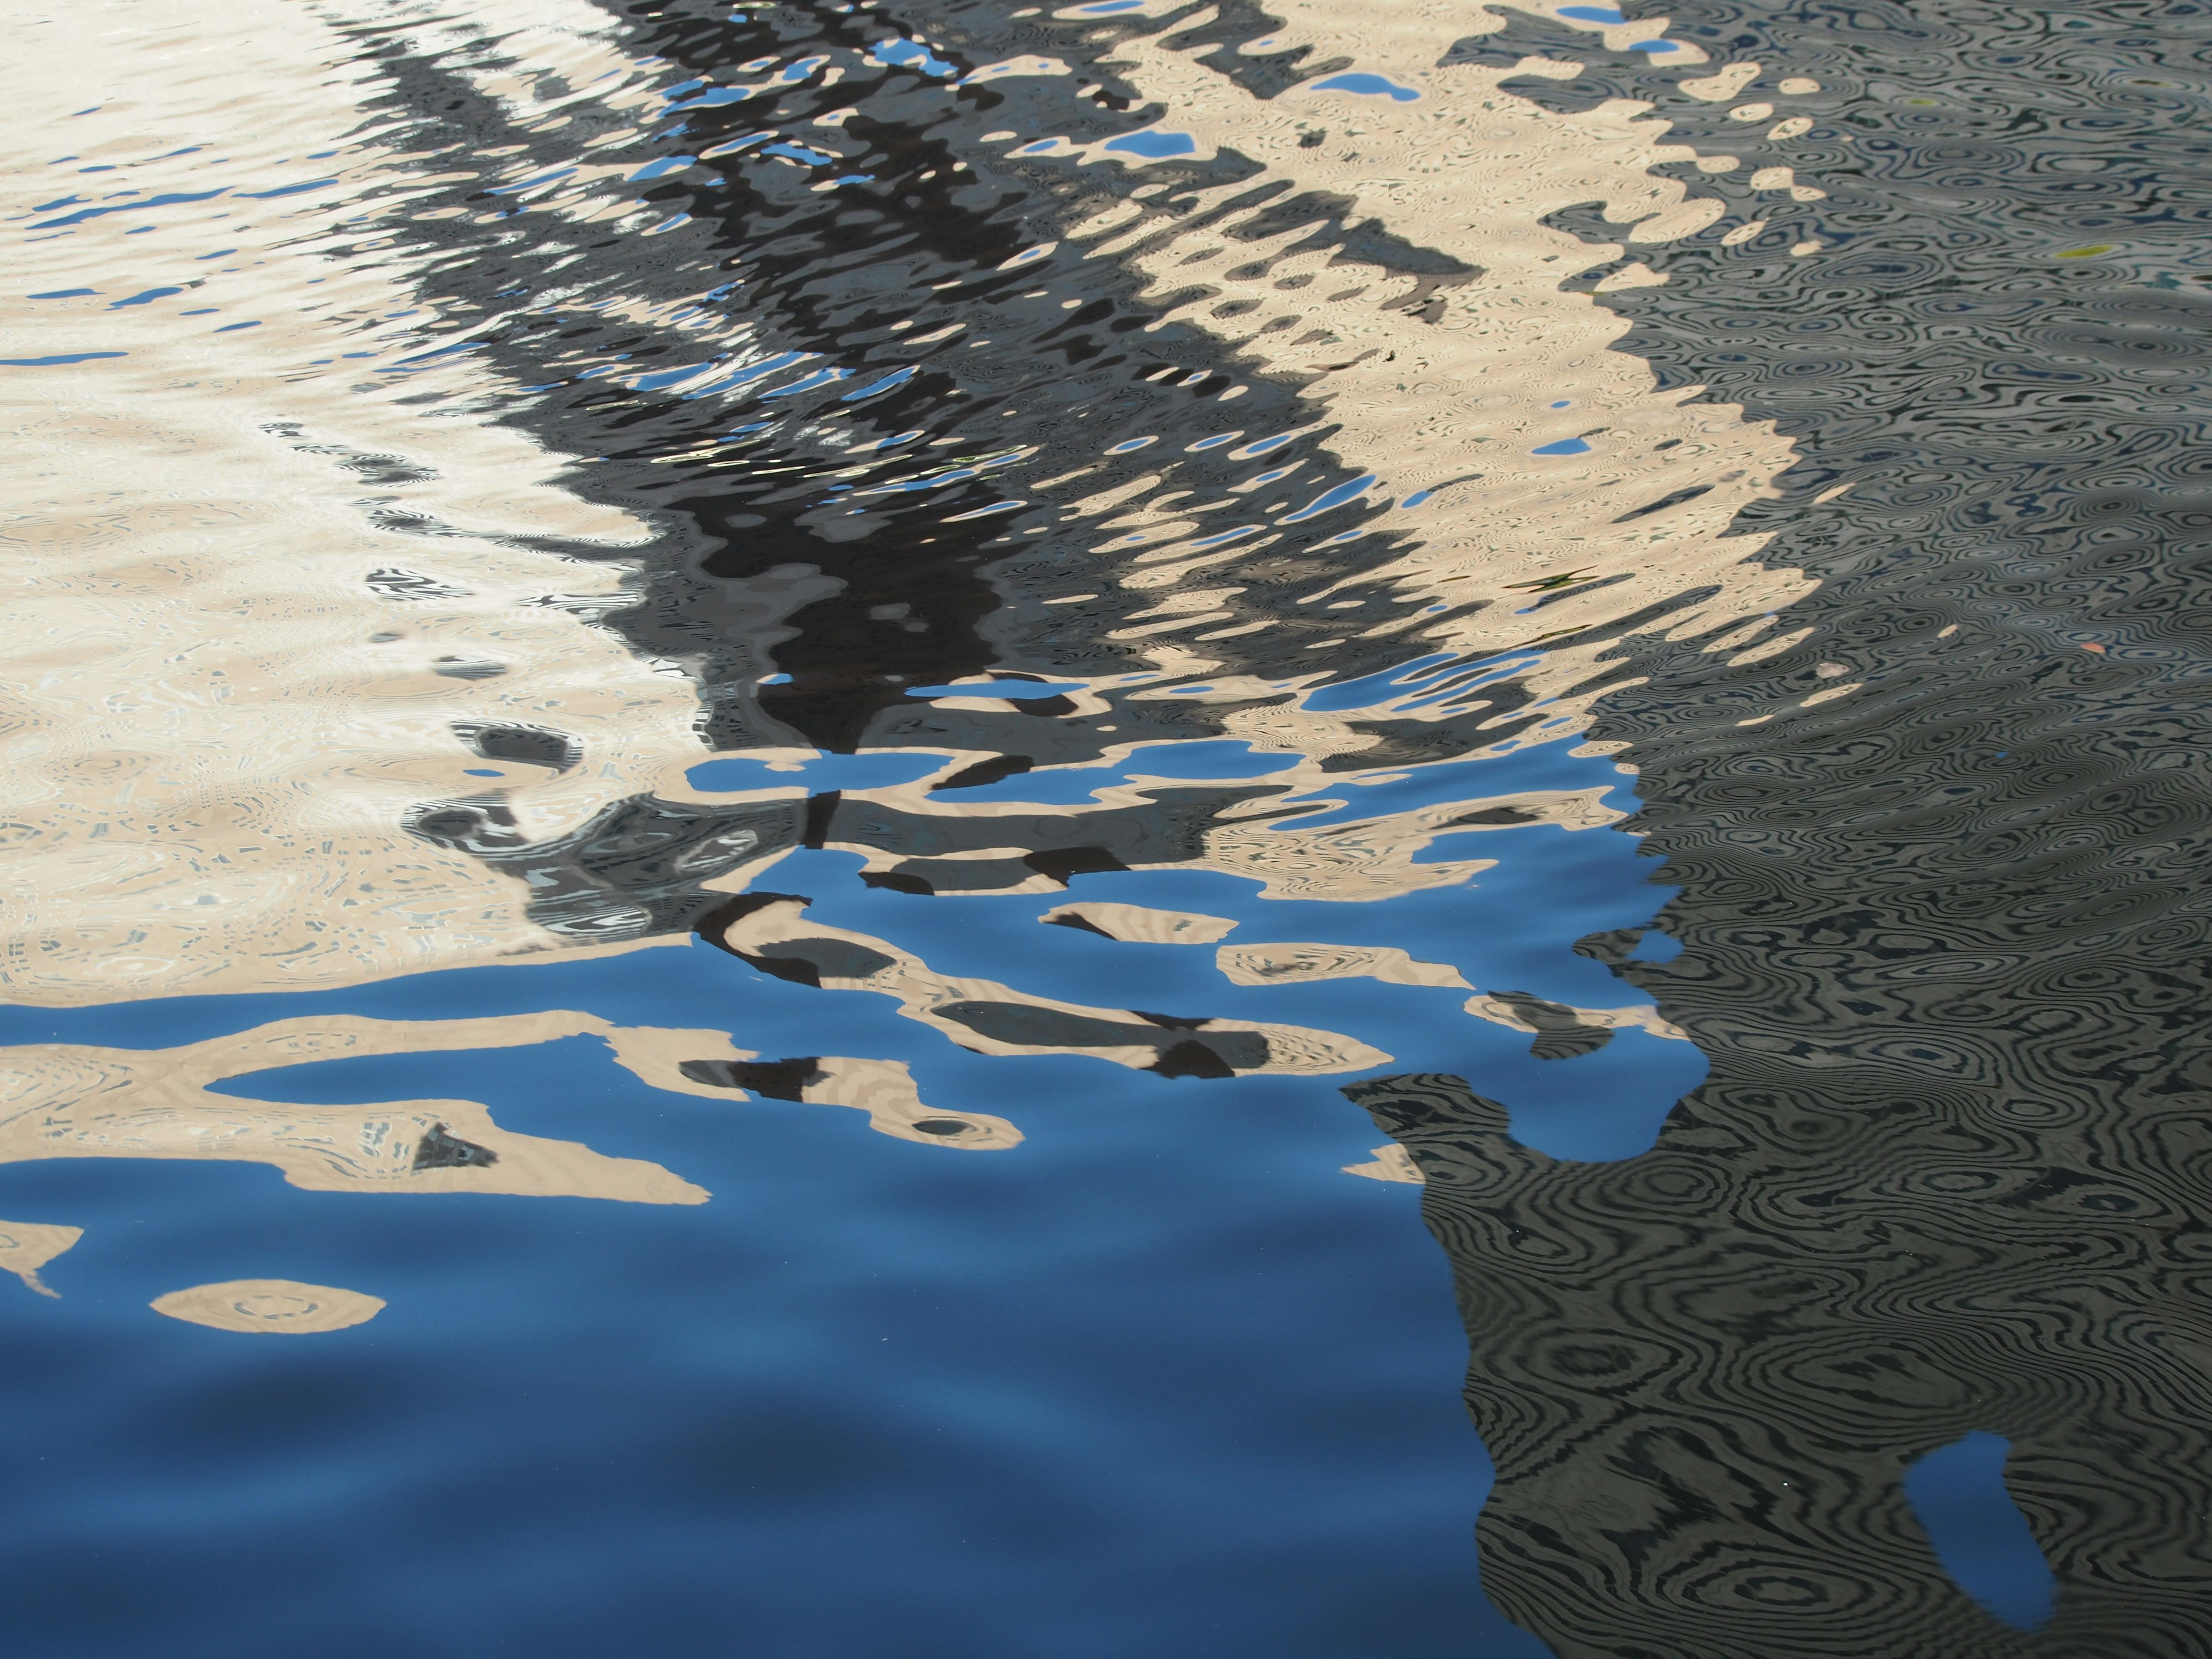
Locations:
column 450, row 710
column 1097, row 535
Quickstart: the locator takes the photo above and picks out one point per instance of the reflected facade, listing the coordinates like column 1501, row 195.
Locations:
column 1516, row 574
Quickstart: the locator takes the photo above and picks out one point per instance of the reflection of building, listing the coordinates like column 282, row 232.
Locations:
column 443, row 712
column 1454, row 369
column 317, row 774
column 257, row 615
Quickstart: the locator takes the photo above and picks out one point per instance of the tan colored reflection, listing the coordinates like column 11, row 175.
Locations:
column 885, row 1090
column 270, row 1307
column 1642, row 1017
column 1446, row 388
column 983, row 1015
column 1380, row 857
column 1298, row 964
column 1137, row 924
column 249, row 597
column 61, row 1100
column 1391, row 1163
column 27, row 1246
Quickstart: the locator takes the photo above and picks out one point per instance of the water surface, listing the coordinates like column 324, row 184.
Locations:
column 857, row 693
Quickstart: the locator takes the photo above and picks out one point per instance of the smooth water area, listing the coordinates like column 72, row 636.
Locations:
column 816, row 782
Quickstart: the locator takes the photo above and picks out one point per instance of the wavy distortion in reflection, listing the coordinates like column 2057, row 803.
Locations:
column 986, row 520
column 320, row 766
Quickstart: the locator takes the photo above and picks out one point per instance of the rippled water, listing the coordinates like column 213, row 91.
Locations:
column 1143, row 597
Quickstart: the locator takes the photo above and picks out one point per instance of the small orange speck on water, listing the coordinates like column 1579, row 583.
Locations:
column 2099, row 649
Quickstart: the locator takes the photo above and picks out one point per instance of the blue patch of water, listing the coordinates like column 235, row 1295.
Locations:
column 912, row 54
column 538, row 181
column 1154, row 146
column 1073, row 786
column 820, row 377
column 1351, row 491
column 897, row 378
column 1387, row 685
column 1164, row 1342
column 759, row 371
column 58, row 358
column 715, row 97
column 1958, row 1495
column 1372, row 86
column 665, row 377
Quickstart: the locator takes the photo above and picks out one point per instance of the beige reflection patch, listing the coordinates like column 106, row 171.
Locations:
column 60, row 1100
column 1448, row 387
column 1298, row 964
column 1137, row 924
column 885, row 1090
column 1377, row 858
column 251, row 600
column 1637, row 1017
column 27, row 1246
column 270, row 1307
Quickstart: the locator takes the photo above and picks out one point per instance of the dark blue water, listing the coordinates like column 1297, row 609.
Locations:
column 1958, row 1495
column 1167, row 1380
